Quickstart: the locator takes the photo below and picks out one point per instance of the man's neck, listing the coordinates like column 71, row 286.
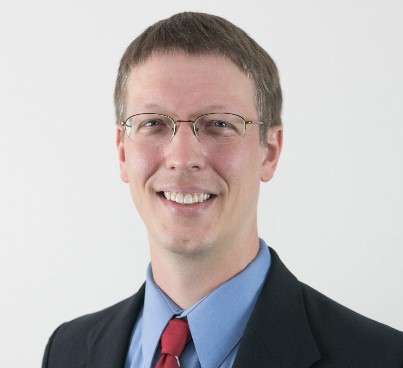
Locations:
column 187, row 278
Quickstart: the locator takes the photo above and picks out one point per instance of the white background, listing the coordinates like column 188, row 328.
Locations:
column 71, row 241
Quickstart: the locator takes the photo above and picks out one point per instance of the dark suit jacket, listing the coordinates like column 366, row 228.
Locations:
column 292, row 326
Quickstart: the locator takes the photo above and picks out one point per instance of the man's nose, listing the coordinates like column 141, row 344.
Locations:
column 185, row 151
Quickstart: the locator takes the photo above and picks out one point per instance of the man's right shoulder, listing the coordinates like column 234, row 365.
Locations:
column 79, row 327
column 71, row 343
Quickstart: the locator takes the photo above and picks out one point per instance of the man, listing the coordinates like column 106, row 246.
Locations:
column 198, row 106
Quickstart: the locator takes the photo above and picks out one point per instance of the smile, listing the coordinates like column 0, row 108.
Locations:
column 186, row 198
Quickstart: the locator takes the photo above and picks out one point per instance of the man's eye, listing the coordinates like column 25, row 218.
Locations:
column 220, row 124
column 219, row 129
column 152, row 127
column 150, row 123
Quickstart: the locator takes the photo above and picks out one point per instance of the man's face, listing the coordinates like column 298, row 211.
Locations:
column 185, row 87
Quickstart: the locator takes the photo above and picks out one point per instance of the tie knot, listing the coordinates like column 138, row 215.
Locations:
column 175, row 337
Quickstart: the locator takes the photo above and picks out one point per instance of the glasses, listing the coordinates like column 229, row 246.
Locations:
column 222, row 127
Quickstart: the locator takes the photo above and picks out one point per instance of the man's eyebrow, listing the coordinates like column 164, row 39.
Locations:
column 200, row 110
column 216, row 108
column 151, row 106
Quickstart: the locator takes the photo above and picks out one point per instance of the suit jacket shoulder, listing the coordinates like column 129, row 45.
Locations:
column 295, row 326
column 359, row 341
column 99, row 339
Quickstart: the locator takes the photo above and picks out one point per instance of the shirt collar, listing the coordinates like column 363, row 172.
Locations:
column 216, row 322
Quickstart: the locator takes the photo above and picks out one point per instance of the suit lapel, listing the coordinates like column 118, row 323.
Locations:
column 278, row 334
column 108, row 342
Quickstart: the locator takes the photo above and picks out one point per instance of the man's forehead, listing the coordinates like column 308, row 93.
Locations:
column 209, row 80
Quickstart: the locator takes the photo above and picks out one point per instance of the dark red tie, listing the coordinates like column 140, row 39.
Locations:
column 173, row 341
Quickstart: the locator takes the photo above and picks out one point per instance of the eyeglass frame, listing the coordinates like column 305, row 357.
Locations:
column 124, row 124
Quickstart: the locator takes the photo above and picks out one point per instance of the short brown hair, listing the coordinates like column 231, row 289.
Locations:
column 200, row 34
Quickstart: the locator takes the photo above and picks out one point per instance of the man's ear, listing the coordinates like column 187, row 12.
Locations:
column 121, row 154
column 274, row 143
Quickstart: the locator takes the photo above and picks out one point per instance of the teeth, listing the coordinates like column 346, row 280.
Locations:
column 179, row 198
column 187, row 198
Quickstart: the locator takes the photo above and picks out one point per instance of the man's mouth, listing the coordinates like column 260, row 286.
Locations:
column 187, row 198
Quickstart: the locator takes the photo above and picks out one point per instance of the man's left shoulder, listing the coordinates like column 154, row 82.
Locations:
column 333, row 324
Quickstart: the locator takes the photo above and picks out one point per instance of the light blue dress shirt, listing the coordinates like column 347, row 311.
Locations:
column 217, row 322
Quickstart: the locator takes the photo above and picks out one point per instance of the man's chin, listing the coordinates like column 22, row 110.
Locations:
column 188, row 246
